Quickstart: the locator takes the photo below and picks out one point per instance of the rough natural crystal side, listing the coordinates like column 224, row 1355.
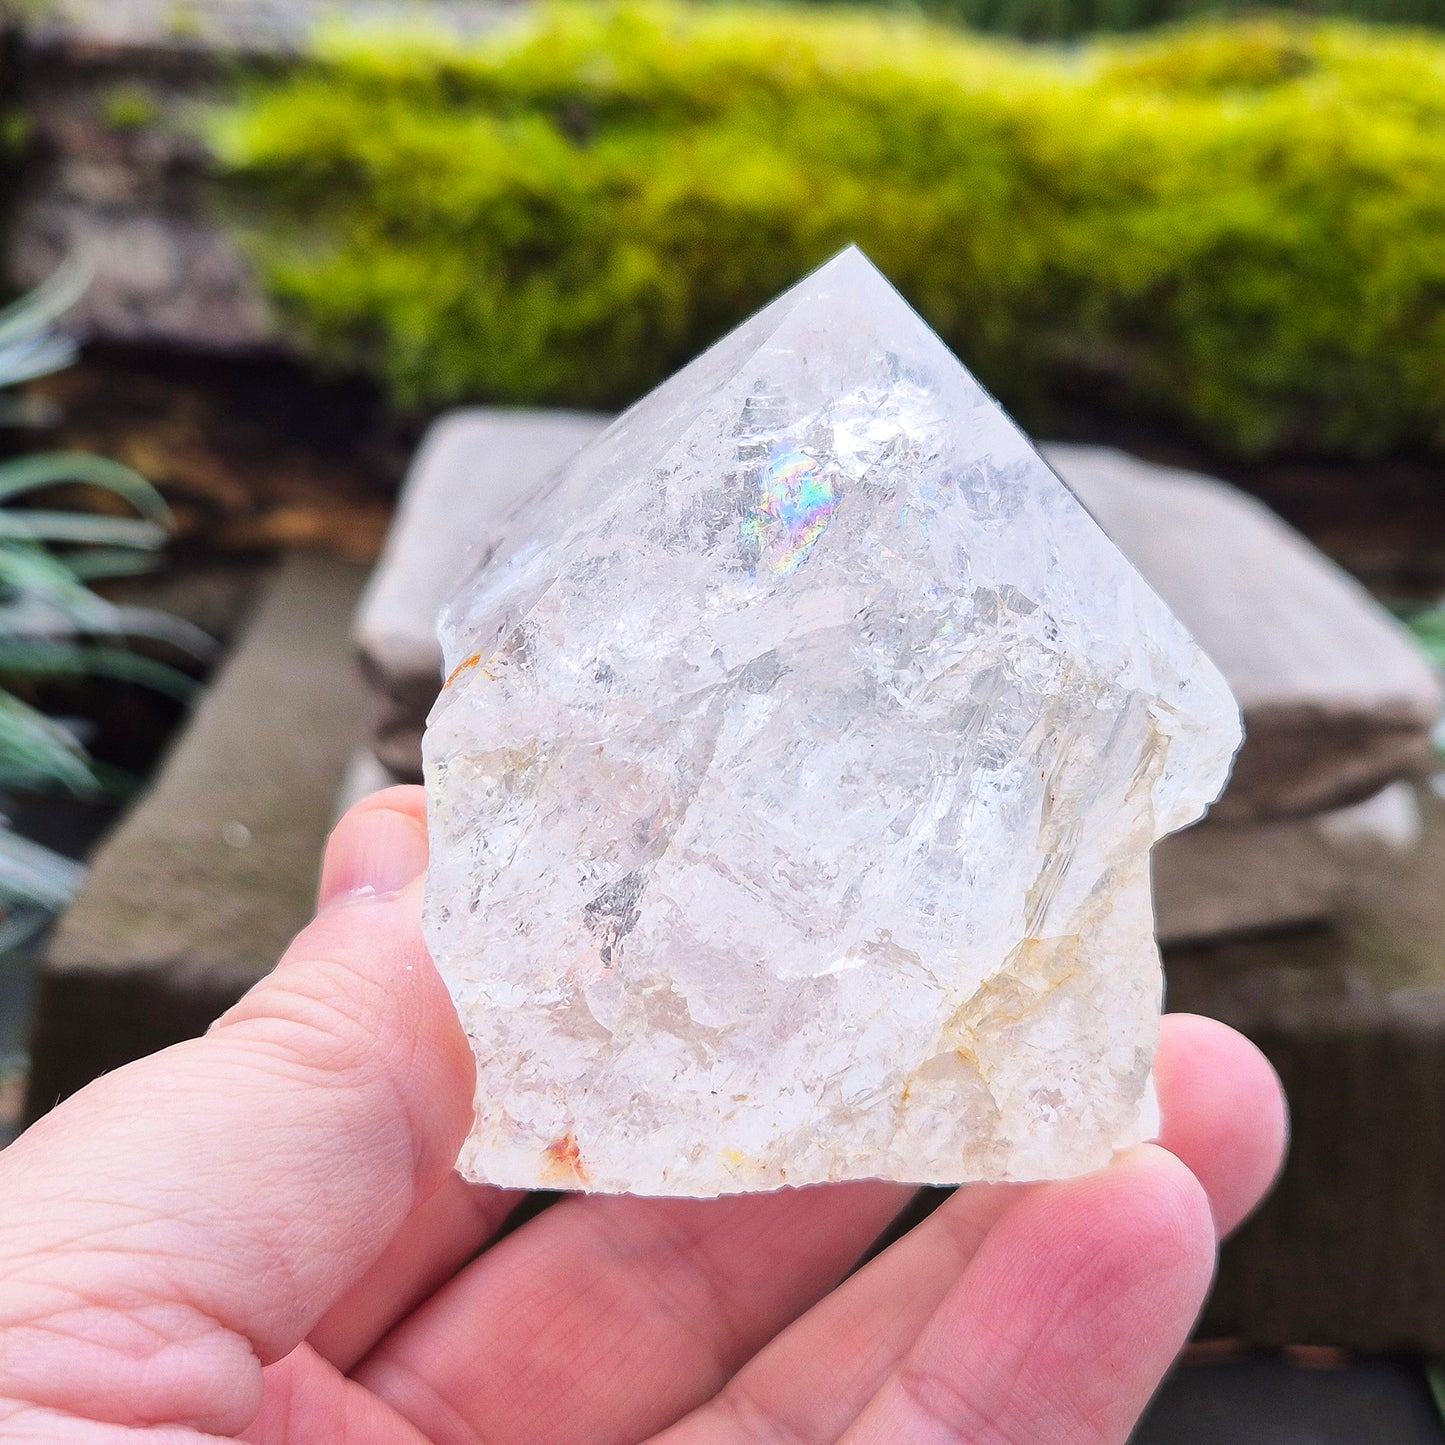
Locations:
column 793, row 787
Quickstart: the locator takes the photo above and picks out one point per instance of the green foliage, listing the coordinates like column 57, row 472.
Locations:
column 1068, row 19
column 1234, row 228
column 130, row 106
column 51, row 623
column 37, row 883
column 186, row 20
column 1428, row 625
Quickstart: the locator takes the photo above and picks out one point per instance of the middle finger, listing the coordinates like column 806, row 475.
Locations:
column 609, row 1317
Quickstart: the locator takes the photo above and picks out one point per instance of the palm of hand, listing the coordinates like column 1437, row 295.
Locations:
column 257, row 1236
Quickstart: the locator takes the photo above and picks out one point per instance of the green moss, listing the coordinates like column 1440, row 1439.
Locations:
column 1067, row 19
column 185, row 20
column 15, row 132
column 129, row 106
column 1234, row 228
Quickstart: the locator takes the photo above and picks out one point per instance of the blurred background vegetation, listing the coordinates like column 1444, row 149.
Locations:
column 1068, row 19
column 53, row 626
column 1231, row 227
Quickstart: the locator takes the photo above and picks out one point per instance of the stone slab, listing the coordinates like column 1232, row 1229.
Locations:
column 132, row 196
column 237, row 27
column 1337, row 698
column 1224, row 878
column 364, row 776
column 128, row 199
column 200, row 888
column 471, row 469
column 1338, row 701
column 1348, row 1250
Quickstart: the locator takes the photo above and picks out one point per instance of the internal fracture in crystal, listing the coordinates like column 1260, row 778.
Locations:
column 793, row 786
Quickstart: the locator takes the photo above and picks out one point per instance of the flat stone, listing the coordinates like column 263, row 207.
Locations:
column 1347, row 1250
column 473, row 467
column 202, row 886
column 1337, row 700
column 238, row 27
column 364, row 776
column 1221, row 878
column 133, row 198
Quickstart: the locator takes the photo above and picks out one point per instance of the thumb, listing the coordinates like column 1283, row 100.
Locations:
column 185, row 1220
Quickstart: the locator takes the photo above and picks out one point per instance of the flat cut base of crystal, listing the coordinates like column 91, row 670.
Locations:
column 793, row 785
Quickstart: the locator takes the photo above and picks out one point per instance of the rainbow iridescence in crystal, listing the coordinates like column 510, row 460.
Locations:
column 795, row 502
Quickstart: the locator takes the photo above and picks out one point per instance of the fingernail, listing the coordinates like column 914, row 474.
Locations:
column 374, row 851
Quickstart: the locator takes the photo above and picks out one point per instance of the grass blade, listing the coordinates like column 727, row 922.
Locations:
column 1429, row 630
column 31, row 578
column 54, row 659
column 40, row 356
column 36, row 752
column 24, row 474
column 103, row 562
column 35, row 874
column 82, row 528
column 158, row 626
column 19, row 922
column 36, row 310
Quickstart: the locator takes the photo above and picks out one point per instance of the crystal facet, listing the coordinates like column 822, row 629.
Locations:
column 793, row 786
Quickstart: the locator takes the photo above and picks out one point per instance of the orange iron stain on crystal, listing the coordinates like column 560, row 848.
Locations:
column 564, row 1163
column 461, row 667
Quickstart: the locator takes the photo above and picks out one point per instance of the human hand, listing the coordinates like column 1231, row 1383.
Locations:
column 257, row 1234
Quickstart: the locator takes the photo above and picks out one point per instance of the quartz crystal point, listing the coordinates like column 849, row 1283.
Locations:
column 793, row 786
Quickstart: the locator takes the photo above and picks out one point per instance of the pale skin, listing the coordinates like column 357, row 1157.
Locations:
column 257, row 1235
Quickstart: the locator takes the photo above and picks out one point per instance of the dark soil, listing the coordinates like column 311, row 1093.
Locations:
column 253, row 455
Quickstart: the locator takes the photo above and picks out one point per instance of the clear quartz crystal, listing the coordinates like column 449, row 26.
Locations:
column 793, row 786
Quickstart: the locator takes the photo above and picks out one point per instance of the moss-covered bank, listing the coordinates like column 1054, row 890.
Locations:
column 1238, row 228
